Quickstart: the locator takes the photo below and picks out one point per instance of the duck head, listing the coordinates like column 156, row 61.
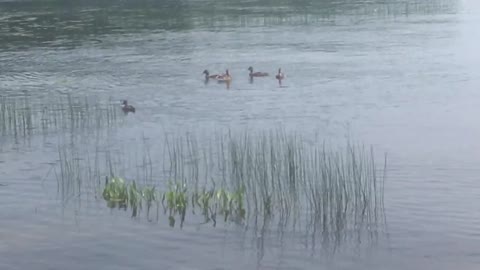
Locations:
column 250, row 69
column 206, row 72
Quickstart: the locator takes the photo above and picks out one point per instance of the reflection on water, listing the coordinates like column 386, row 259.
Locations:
column 70, row 24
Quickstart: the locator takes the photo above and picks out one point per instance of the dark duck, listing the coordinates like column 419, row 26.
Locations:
column 280, row 76
column 257, row 74
column 208, row 76
column 126, row 108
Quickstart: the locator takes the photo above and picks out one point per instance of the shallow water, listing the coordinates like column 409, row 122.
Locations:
column 400, row 76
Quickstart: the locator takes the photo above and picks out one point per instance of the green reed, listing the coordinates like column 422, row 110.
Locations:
column 243, row 178
column 282, row 173
column 20, row 116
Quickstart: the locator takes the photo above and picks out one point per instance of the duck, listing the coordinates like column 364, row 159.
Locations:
column 127, row 108
column 208, row 76
column 280, row 75
column 257, row 74
column 225, row 77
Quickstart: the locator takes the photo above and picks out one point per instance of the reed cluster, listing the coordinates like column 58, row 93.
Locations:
column 19, row 116
column 240, row 178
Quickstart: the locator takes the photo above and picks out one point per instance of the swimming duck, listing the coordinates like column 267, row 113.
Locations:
column 127, row 108
column 257, row 74
column 280, row 75
column 225, row 77
column 208, row 76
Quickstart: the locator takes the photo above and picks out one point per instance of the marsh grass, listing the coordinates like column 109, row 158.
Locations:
column 19, row 116
column 245, row 178
column 284, row 175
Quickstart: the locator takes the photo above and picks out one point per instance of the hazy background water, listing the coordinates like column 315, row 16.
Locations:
column 400, row 75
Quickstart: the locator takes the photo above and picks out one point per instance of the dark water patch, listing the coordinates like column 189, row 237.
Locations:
column 68, row 25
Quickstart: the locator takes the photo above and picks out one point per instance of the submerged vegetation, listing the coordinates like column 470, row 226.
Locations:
column 242, row 179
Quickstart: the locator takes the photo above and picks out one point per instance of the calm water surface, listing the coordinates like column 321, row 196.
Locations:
column 399, row 75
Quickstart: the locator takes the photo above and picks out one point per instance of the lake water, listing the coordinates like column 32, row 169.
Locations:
column 401, row 76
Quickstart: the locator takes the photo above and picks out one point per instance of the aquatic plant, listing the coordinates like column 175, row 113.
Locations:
column 175, row 200
column 248, row 178
column 230, row 204
column 117, row 192
column 204, row 200
column 149, row 195
column 19, row 116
